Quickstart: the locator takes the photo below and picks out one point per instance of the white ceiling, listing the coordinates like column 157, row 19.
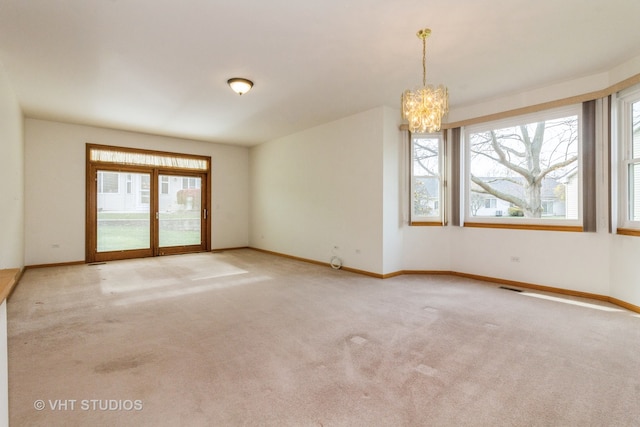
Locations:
column 161, row 66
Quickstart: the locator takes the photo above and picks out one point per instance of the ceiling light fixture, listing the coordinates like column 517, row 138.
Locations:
column 240, row 86
column 424, row 107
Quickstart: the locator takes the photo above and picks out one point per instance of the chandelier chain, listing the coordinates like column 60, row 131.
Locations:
column 424, row 61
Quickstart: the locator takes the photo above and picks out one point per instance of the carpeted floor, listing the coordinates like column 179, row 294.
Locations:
column 244, row 338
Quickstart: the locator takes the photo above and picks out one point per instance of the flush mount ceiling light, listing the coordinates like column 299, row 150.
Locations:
column 424, row 107
column 240, row 86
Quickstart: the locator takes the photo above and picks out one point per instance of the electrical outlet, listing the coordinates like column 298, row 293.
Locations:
column 515, row 259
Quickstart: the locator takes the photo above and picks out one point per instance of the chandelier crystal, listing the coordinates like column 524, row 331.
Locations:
column 424, row 107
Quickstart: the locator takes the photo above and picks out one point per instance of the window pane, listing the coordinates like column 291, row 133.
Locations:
column 164, row 184
column 634, row 192
column 123, row 218
column 635, row 130
column 528, row 171
column 180, row 212
column 108, row 182
column 426, row 177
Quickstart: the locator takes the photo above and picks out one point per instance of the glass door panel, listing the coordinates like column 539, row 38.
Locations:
column 179, row 210
column 123, row 211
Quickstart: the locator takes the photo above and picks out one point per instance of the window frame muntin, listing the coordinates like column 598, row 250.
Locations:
column 506, row 221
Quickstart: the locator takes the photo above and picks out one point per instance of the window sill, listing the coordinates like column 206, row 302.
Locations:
column 426, row 224
column 628, row 231
column 573, row 228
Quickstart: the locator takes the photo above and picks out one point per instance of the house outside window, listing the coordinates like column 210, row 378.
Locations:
column 426, row 179
column 145, row 189
column 190, row 183
column 164, row 184
column 490, row 203
column 108, row 182
column 525, row 169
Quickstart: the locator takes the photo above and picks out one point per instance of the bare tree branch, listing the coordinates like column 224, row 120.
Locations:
column 499, row 194
column 526, row 151
column 555, row 167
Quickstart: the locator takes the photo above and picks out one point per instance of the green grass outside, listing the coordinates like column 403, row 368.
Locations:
column 147, row 215
column 119, row 238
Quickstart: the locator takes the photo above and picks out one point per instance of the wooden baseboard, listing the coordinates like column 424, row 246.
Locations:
column 561, row 291
column 624, row 304
column 533, row 286
column 228, row 249
column 526, row 285
column 55, row 264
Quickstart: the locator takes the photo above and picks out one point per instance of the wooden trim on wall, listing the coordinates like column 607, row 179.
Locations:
column 624, row 304
column 220, row 250
column 541, row 288
column 324, row 264
column 628, row 231
column 533, row 286
column 426, row 224
column 55, row 264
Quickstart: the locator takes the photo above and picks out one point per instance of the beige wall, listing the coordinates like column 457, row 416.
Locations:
column 55, row 186
column 318, row 188
column 11, row 177
column 321, row 188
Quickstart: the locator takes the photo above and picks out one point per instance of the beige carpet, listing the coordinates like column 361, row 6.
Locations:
column 243, row 338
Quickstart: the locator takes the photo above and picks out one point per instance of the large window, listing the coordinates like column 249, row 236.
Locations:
column 525, row 170
column 426, row 179
column 629, row 135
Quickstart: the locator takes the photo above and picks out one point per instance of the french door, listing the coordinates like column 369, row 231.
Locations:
column 141, row 211
column 180, row 216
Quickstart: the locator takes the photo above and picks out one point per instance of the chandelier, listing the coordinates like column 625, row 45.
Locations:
column 424, row 107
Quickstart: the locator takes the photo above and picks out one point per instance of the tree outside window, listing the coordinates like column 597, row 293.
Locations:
column 525, row 170
column 426, row 178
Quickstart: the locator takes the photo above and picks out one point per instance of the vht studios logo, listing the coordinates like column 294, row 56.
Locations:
column 88, row 405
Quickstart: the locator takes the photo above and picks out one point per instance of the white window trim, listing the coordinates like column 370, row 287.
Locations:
column 623, row 102
column 550, row 114
column 440, row 218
